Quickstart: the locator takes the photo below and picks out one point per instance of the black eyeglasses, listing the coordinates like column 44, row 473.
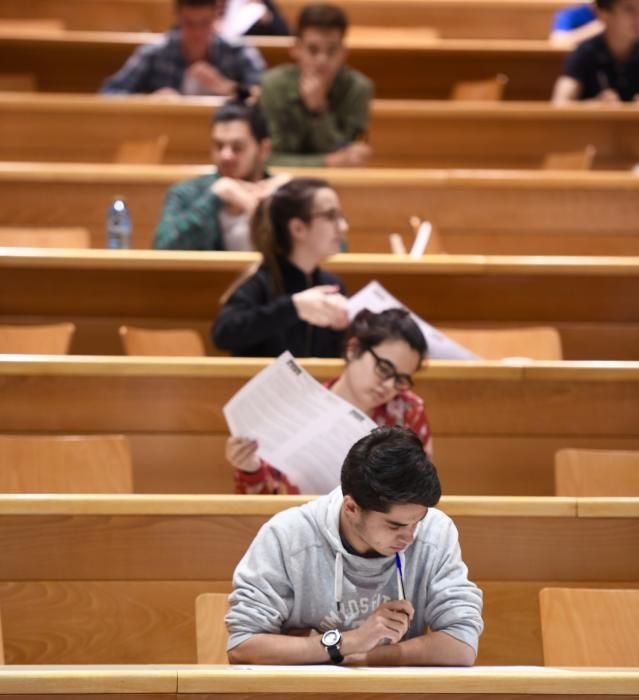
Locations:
column 385, row 369
column 332, row 215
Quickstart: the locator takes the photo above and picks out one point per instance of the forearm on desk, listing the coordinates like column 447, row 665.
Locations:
column 433, row 649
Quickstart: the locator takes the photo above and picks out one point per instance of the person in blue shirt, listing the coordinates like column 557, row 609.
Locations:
column 574, row 24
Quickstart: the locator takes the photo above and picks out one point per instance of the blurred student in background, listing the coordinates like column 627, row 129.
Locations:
column 318, row 107
column 606, row 67
column 289, row 302
column 574, row 24
column 191, row 59
column 382, row 351
column 213, row 211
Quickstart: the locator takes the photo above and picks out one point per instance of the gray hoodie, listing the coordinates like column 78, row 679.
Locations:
column 296, row 575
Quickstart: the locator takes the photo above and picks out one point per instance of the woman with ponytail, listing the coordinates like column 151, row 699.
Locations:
column 289, row 302
column 382, row 351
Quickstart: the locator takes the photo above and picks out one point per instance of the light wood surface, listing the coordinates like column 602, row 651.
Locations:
column 596, row 473
column 79, row 464
column 115, row 562
column 542, row 343
column 482, row 212
column 44, row 339
column 212, row 635
column 582, row 627
column 511, row 419
column 145, row 152
column 173, row 342
column 480, row 90
column 79, row 61
column 494, row 19
column 593, row 302
column 581, row 159
column 62, row 128
column 23, row 237
column 240, row 682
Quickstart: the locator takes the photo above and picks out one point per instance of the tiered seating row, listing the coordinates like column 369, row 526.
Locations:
column 506, row 213
column 496, row 427
column 88, row 128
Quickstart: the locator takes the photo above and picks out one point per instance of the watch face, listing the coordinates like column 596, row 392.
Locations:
column 331, row 638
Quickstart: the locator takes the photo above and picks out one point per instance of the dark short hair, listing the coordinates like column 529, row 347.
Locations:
column 238, row 110
column 370, row 329
column 195, row 3
column 605, row 5
column 389, row 467
column 322, row 16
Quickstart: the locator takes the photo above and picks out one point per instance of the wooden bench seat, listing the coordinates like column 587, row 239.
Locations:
column 404, row 134
column 496, row 427
column 114, row 579
column 594, row 302
column 78, row 61
column 489, row 213
column 472, row 19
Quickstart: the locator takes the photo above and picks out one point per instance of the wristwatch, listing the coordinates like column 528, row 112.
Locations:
column 332, row 640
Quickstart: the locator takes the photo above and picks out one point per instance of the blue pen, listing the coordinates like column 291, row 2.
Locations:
column 400, row 575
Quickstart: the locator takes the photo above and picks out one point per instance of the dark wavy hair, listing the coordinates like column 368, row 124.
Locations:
column 237, row 109
column 389, row 467
column 370, row 329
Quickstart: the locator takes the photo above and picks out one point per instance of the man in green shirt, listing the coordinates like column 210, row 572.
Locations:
column 213, row 212
column 317, row 108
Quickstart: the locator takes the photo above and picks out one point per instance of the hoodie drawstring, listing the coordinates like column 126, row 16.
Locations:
column 339, row 580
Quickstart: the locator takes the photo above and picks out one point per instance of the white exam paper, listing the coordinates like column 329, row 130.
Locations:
column 376, row 299
column 301, row 428
column 239, row 17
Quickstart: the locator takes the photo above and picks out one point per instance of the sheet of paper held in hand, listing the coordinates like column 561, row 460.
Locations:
column 301, row 428
column 375, row 298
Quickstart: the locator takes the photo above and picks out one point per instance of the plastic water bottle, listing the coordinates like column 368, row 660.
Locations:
column 118, row 225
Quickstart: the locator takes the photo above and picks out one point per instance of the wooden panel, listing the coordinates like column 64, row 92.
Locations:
column 208, row 546
column 522, row 19
column 452, row 135
column 76, row 61
column 570, row 293
column 510, row 424
column 569, row 617
column 98, row 622
column 153, row 622
column 511, row 212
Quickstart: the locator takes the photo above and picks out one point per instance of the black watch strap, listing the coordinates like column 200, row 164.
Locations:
column 334, row 653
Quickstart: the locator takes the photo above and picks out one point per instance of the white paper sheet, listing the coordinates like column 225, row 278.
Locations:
column 239, row 17
column 375, row 298
column 301, row 427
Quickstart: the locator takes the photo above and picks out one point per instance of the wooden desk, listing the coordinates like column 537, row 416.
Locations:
column 88, row 128
column 469, row 19
column 476, row 212
column 78, row 61
column 224, row 682
column 593, row 301
column 113, row 579
column 496, row 427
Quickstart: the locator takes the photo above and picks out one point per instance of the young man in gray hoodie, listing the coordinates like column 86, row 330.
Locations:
column 357, row 576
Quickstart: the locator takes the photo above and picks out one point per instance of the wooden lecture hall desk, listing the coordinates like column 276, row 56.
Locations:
column 405, row 134
column 469, row 19
column 410, row 66
column 509, row 419
column 314, row 682
column 520, row 212
column 594, row 302
column 113, row 579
